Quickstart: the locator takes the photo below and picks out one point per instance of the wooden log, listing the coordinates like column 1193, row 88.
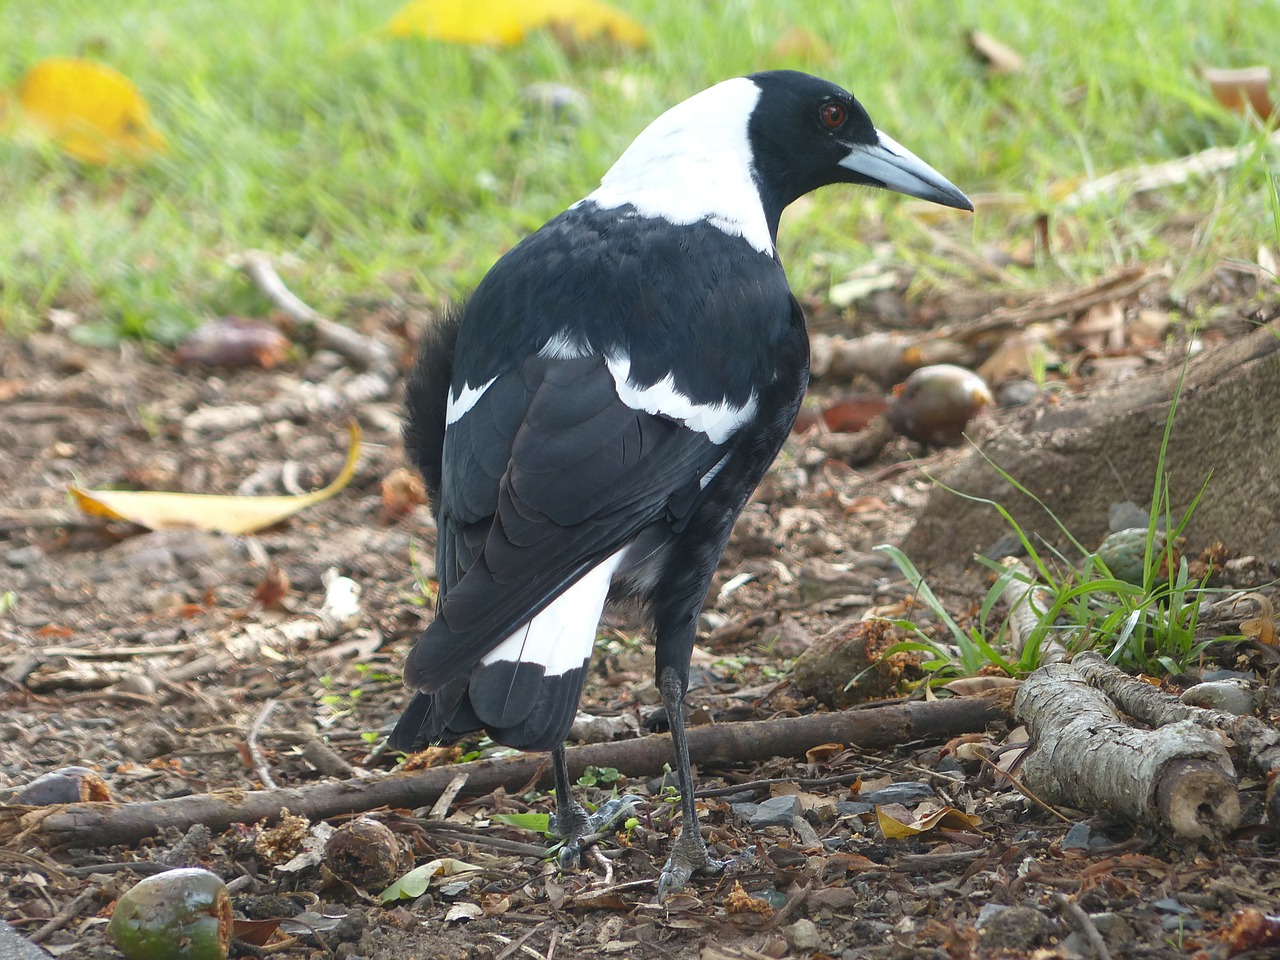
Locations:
column 1084, row 755
column 103, row 824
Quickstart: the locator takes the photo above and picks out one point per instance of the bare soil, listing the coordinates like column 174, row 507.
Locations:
column 107, row 620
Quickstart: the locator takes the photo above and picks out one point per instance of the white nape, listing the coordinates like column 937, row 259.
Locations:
column 718, row 421
column 562, row 636
column 457, row 405
column 695, row 163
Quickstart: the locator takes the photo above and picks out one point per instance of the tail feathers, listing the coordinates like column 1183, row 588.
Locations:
column 547, row 706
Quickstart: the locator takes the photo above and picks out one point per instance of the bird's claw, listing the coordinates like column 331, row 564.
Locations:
column 689, row 857
column 578, row 829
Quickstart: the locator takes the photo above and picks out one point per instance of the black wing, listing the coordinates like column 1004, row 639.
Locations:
column 547, row 475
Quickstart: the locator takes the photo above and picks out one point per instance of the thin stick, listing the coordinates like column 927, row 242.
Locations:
column 1013, row 782
column 255, row 751
column 1083, row 925
column 64, row 916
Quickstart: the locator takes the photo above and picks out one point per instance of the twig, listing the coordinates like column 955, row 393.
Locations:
column 1022, row 789
column 255, row 752
column 440, row 809
column 1083, row 925
column 374, row 356
column 64, row 916
column 1170, row 173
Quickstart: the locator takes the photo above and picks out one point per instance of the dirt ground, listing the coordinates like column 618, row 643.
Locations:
column 151, row 658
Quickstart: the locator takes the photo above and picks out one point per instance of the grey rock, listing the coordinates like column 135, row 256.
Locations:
column 776, row 812
column 744, row 810
column 906, row 792
column 1230, row 696
column 989, row 912
column 14, row 946
column 852, row 808
column 803, row 935
column 24, row 556
column 1077, row 837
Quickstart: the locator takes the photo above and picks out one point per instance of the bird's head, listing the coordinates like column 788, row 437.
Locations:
column 737, row 153
column 806, row 133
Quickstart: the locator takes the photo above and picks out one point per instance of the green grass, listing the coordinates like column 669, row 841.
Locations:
column 408, row 166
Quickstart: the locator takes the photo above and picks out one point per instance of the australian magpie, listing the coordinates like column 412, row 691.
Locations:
column 593, row 420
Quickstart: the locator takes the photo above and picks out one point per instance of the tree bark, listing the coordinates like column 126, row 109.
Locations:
column 101, row 824
column 1083, row 454
column 1084, row 755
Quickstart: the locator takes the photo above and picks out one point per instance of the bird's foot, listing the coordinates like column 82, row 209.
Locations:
column 689, row 855
column 579, row 829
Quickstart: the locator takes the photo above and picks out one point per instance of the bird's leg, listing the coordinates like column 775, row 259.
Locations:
column 571, row 822
column 689, row 852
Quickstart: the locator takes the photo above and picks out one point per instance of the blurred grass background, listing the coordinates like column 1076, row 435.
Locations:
column 405, row 167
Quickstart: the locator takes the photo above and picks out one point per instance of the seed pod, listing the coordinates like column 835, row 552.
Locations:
column 179, row 913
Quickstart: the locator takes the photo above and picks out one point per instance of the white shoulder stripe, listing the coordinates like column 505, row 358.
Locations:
column 718, row 421
column 458, row 404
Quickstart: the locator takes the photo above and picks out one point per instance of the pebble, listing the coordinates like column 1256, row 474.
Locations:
column 853, row 808
column 803, row 935
column 1230, row 696
column 1077, row 837
column 906, row 792
column 776, row 812
column 27, row 556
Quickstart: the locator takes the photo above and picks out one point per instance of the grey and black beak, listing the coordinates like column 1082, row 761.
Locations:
column 889, row 164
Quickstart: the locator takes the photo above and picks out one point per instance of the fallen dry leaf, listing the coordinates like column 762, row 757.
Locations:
column 1100, row 328
column 508, row 22
column 1000, row 58
column 893, row 821
column 158, row 510
column 91, row 111
column 1241, row 89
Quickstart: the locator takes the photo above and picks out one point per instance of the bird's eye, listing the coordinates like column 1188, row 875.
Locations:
column 833, row 115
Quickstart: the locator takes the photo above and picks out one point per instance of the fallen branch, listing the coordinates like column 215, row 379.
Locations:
column 1084, row 755
column 889, row 357
column 101, row 824
column 1156, row 176
column 375, row 357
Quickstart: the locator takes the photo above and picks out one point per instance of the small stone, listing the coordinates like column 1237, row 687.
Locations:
column 905, row 793
column 803, row 935
column 27, row 556
column 1016, row 393
column 744, row 810
column 988, row 912
column 852, row 808
column 1230, row 696
column 1077, row 837
column 776, row 812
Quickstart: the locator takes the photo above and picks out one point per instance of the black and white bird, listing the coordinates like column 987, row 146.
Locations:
column 594, row 419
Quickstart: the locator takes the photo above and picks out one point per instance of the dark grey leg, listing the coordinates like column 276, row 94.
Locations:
column 689, row 852
column 572, row 823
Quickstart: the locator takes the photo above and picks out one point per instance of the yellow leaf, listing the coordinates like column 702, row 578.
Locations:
column 89, row 110
column 158, row 510
column 507, row 22
column 894, row 828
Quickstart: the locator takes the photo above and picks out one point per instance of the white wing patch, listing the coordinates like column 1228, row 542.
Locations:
column 695, row 163
column 457, row 405
column 562, row 636
column 563, row 346
column 718, row 421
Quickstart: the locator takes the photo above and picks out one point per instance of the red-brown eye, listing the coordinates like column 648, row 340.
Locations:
column 833, row 115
